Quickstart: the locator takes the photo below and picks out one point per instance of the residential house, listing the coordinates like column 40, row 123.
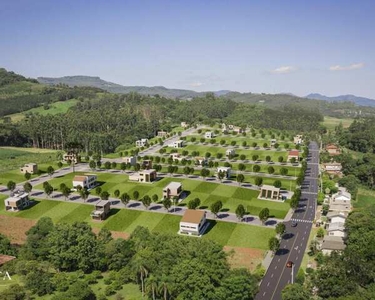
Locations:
column 237, row 129
column 293, row 154
column 146, row 164
column 184, row 124
column 176, row 156
column 162, row 133
column 230, row 127
column 193, row 222
column 71, row 157
column 145, row 176
column 202, row 161
column 332, row 243
column 132, row 160
column 341, row 197
column 209, row 135
column 336, row 217
column 85, row 181
column 273, row 142
column 224, row 128
column 5, row 259
column 336, row 229
column 333, row 168
column 30, row 168
column 269, row 192
column 298, row 139
column 333, row 149
column 17, row 201
column 177, row 144
column 230, row 152
column 101, row 211
column 173, row 189
column 141, row 143
column 225, row 170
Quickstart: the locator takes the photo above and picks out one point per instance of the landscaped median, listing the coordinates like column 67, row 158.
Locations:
column 126, row 220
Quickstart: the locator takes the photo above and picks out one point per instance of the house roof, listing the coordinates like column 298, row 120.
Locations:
column 331, row 146
column 270, row 188
column 148, row 171
column 339, row 207
column 17, row 196
column 5, row 258
column 193, row 216
column 173, row 185
column 336, row 214
column 102, row 203
column 79, row 178
column 336, row 226
column 293, row 153
column 223, row 169
column 333, row 243
column 342, row 194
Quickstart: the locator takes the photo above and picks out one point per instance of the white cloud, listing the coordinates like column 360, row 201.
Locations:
column 196, row 84
column 347, row 68
column 284, row 70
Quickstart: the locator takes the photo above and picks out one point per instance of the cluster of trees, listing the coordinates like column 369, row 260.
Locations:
column 63, row 260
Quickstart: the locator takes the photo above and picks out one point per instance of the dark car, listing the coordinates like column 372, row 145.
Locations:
column 294, row 224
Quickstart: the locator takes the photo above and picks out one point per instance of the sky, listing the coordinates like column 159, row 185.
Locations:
column 299, row 47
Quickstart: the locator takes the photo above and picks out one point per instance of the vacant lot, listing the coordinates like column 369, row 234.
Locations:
column 207, row 192
column 331, row 122
column 244, row 257
column 125, row 220
column 364, row 199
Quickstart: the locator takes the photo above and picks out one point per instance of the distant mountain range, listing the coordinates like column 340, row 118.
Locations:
column 120, row 89
column 188, row 94
column 351, row 98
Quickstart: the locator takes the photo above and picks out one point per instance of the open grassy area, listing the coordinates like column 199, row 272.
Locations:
column 125, row 220
column 55, row 108
column 331, row 122
column 11, row 159
column 365, row 198
column 207, row 192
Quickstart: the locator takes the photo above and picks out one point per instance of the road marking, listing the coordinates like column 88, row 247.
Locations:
column 299, row 251
column 275, row 267
column 272, row 275
column 268, row 284
column 297, row 258
column 264, row 294
column 309, row 193
column 278, row 282
column 278, row 260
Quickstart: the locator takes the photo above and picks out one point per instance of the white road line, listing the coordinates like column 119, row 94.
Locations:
column 268, row 284
column 275, row 267
column 278, row 260
column 297, row 258
column 272, row 275
column 264, row 294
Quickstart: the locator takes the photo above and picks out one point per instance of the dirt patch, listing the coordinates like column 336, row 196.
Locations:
column 15, row 228
column 247, row 258
column 115, row 234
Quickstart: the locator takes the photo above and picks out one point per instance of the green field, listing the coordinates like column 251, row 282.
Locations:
column 331, row 122
column 11, row 159
column 365, row 198
column 126, row 220
column 55, row 108
column 207, row 192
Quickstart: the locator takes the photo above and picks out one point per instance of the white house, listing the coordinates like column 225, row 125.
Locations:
column 334, row 217
column 162, row 133
column 237, row 129
column 230, row 152
column 224, row 127
column 130, row 160
column 193, row 222
column 85, row 181
column 144, row 176
column 202, row 161
column 17, row 201
column 333, row 168
column 141, row 143
column 29, row 168
column 225, row 170
column 298, row 139
column 332, row 243
column 177, row 144
column 336, row 229
column 209, row 135
column 341, row 197
column 184, row 124
column 273, row 142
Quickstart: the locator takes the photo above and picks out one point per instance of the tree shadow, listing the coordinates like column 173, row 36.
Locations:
column 91, row 200
column 155, row 207
column 203, row 207
column 223, row 216
column 36, row 193
column 270, row 223
column 281, row 252
column 115, row 202
column 135, row 204
column 287, row 236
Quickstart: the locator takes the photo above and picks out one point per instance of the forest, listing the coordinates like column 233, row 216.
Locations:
column 63, row 260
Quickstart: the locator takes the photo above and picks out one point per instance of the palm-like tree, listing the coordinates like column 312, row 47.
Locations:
column 152, row 286
column 141, row 270
column 164, row 286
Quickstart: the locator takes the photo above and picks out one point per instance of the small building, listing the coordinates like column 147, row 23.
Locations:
column 202, row 161
column 177, row 144
column 146, row 164
column 293, row 154
column 230, row 152
column 269, row 192
column 340, row 208
column 298, row 139
column 102, row 209
column 30, row 168
column 209, row 135
column 334, row 217
column 341, row 197
column 132, row 160
column 193, row 222
column 71, row 157
column 333, row 168
column 333, row 149
column 184, row 124
column 85, row 181
column 162, row 133
column 17, row 201
column 230, row 127
column 224, row 128
column 226, row 170
column 5, row 259
column 332, row 243
column 237, row 129
column 273, row 142
column 173, row 189
column 176, row 156
column 336, row 229
column 145, row 176
column 141, row 143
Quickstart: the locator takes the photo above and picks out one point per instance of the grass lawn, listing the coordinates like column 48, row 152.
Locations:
column 365, row 198
column 207, row 192
column 331, row 122
column 125, row 220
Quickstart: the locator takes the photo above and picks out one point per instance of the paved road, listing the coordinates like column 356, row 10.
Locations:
column 294, row 242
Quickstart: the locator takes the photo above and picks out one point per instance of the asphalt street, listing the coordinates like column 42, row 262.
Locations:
column 294, row 241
